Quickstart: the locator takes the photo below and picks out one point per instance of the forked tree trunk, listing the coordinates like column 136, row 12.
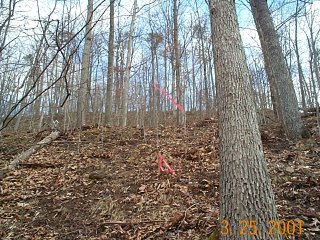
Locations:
column 246, row 192
column 277, row 71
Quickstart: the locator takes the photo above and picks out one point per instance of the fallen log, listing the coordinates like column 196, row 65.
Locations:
column 26, row 154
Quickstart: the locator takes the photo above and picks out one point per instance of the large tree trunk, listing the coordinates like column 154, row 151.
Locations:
column 110, row 65
column 84, row 91
column 246, row 192
column 277, row 71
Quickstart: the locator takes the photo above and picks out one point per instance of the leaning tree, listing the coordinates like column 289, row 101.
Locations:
column 246, row 194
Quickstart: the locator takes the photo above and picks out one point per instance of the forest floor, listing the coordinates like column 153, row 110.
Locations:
column 104, row 183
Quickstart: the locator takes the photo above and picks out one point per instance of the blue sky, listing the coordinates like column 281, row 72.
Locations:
column 29, row 9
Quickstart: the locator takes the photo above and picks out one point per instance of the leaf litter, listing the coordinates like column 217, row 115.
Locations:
column 104, row 183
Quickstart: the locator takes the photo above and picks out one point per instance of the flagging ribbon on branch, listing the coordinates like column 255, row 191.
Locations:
column 164, row 167
column 161, row 90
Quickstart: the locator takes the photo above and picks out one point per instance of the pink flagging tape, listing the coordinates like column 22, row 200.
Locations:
column 166, row 168
column 161, row 90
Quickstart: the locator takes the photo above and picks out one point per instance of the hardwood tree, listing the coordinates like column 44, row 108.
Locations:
column 110, row 65
column 313, row 37
column 119, row 73
column 278, row 73
column 155, row 39
column 179, row 64
column 7, row 11
column 246, row 192
column 125, row 90
column 177, row 70
column 200, row 29
column 84, row 90
column 296, row 49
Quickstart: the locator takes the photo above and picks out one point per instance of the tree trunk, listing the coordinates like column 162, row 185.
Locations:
column 152, row 87
column 205, row 78
column 119, row 76
column 125, row 90
column 110, row 65
column 277, row 71
column 301, row 77
column 314, row 90
column 84, row 91
column 180, row 117
column 194, row 87
column 165, row 79
column 246, row 193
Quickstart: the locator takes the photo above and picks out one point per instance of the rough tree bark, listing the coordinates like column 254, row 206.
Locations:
column 246, row 192
column 277, row 71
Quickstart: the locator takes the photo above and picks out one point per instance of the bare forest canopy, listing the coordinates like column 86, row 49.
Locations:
column 61, row 67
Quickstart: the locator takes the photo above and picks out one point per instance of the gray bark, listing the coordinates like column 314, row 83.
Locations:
column 301, row 76
column 84, row 91
column 110, row 65
column 277, row 71
column 246, row 192
column 179, row 91
column 124, row 107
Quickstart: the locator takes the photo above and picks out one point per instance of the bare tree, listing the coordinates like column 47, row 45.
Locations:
column 109, row 102
column 296, row 48
column 180, row 98
column 125, row 90
column 84, row 90
column 277, row 70
column 7, row 10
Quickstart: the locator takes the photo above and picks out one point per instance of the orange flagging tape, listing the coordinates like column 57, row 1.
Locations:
column 157, row 86
column 164, row 167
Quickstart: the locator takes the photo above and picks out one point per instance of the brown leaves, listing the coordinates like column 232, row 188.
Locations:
column 104, row 184
column 175, row 220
